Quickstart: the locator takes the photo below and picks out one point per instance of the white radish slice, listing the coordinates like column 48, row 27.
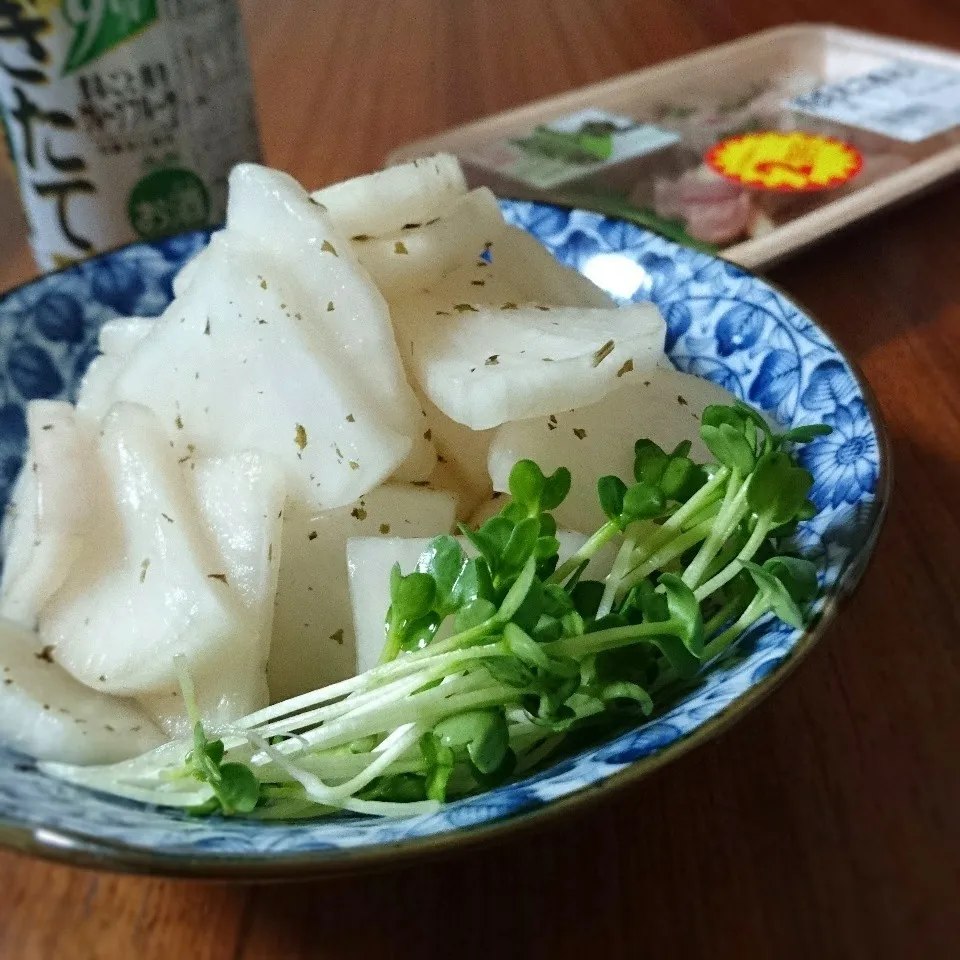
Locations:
column 97, row 388
column 417, row 256
column 594, row 441
column 119, row 336
column 462, row 455
column 118, row 339
column 187, row 272
column 240, row 500
column 313, row 640
column 483, row 367
column 464, row 449
column 53, row 510
column 421, row 462
column 46, row 713
column 446, row 478
column 346, row 316
column 149, row 586
column 370, row 560
column 488, row 508
column 538, row 276
column 384, row 202
column 211, row 356
column 521, row 267
column 297, row 338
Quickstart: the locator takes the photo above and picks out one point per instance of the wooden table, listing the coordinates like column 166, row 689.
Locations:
column 827, row 823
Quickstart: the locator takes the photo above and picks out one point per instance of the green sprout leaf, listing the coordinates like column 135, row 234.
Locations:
column 496, row 777
column 484, row 733
column 454, row 576
column 213, row 750
column 234, row 785
column 548, row 526
column 684, row 612
column 736, row 415
column 778, row 489
column 418, row 633
column 526, row 484
column 509, row 670
column 476, row 612
column 642, row 501
column 518, row 591
column 611, row 491
column 555, row 489
column 528, row 614
column 399, row 788
column 649, row 462
column 681, row 479
column 521, row 544
column 490, row 539
column 806, row 433
column 729, row 445
column 776, row 595
column 439, row 760
column 586, row 597
column 238, row 790
column 799, row 576
column 533, row 492
column 759, row 421
column 548, row 629
column 556, row 600
column 414, row 596
column 525, row 648
column 652, row 605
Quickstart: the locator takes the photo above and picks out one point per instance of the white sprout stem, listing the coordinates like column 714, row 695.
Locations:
column 702, row 498
column 430, row 670
column 662, row 557
column 436, row 701
column 620, row 569
column 355, row 686
column 335, row 795
column 736, row 565
column 387, row 808
column 109, row 780
column 730, row 514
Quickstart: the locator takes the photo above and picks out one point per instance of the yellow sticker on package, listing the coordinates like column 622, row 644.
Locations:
column 789, row 162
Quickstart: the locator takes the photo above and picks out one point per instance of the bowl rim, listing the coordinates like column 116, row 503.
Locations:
column 74, row 848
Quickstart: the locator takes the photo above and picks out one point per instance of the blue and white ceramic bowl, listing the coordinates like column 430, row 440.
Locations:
column 723, row 323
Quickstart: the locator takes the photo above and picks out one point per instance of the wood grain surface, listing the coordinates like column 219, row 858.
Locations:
column 827, row 823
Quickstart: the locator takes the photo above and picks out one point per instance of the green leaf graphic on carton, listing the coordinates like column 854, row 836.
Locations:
column 100, row 26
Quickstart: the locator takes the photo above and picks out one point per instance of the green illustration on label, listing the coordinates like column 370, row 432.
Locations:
column 100, row 25
column 591, row 143
column 168, row 201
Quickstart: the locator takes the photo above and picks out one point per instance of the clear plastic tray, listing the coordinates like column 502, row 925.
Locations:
column 839, row 124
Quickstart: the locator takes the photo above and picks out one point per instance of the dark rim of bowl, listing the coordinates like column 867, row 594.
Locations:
column 74, row 848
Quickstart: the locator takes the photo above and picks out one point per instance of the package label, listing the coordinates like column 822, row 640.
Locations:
column 902, row 100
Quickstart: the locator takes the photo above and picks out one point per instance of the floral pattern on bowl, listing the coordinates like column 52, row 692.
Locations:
column 723, row 324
